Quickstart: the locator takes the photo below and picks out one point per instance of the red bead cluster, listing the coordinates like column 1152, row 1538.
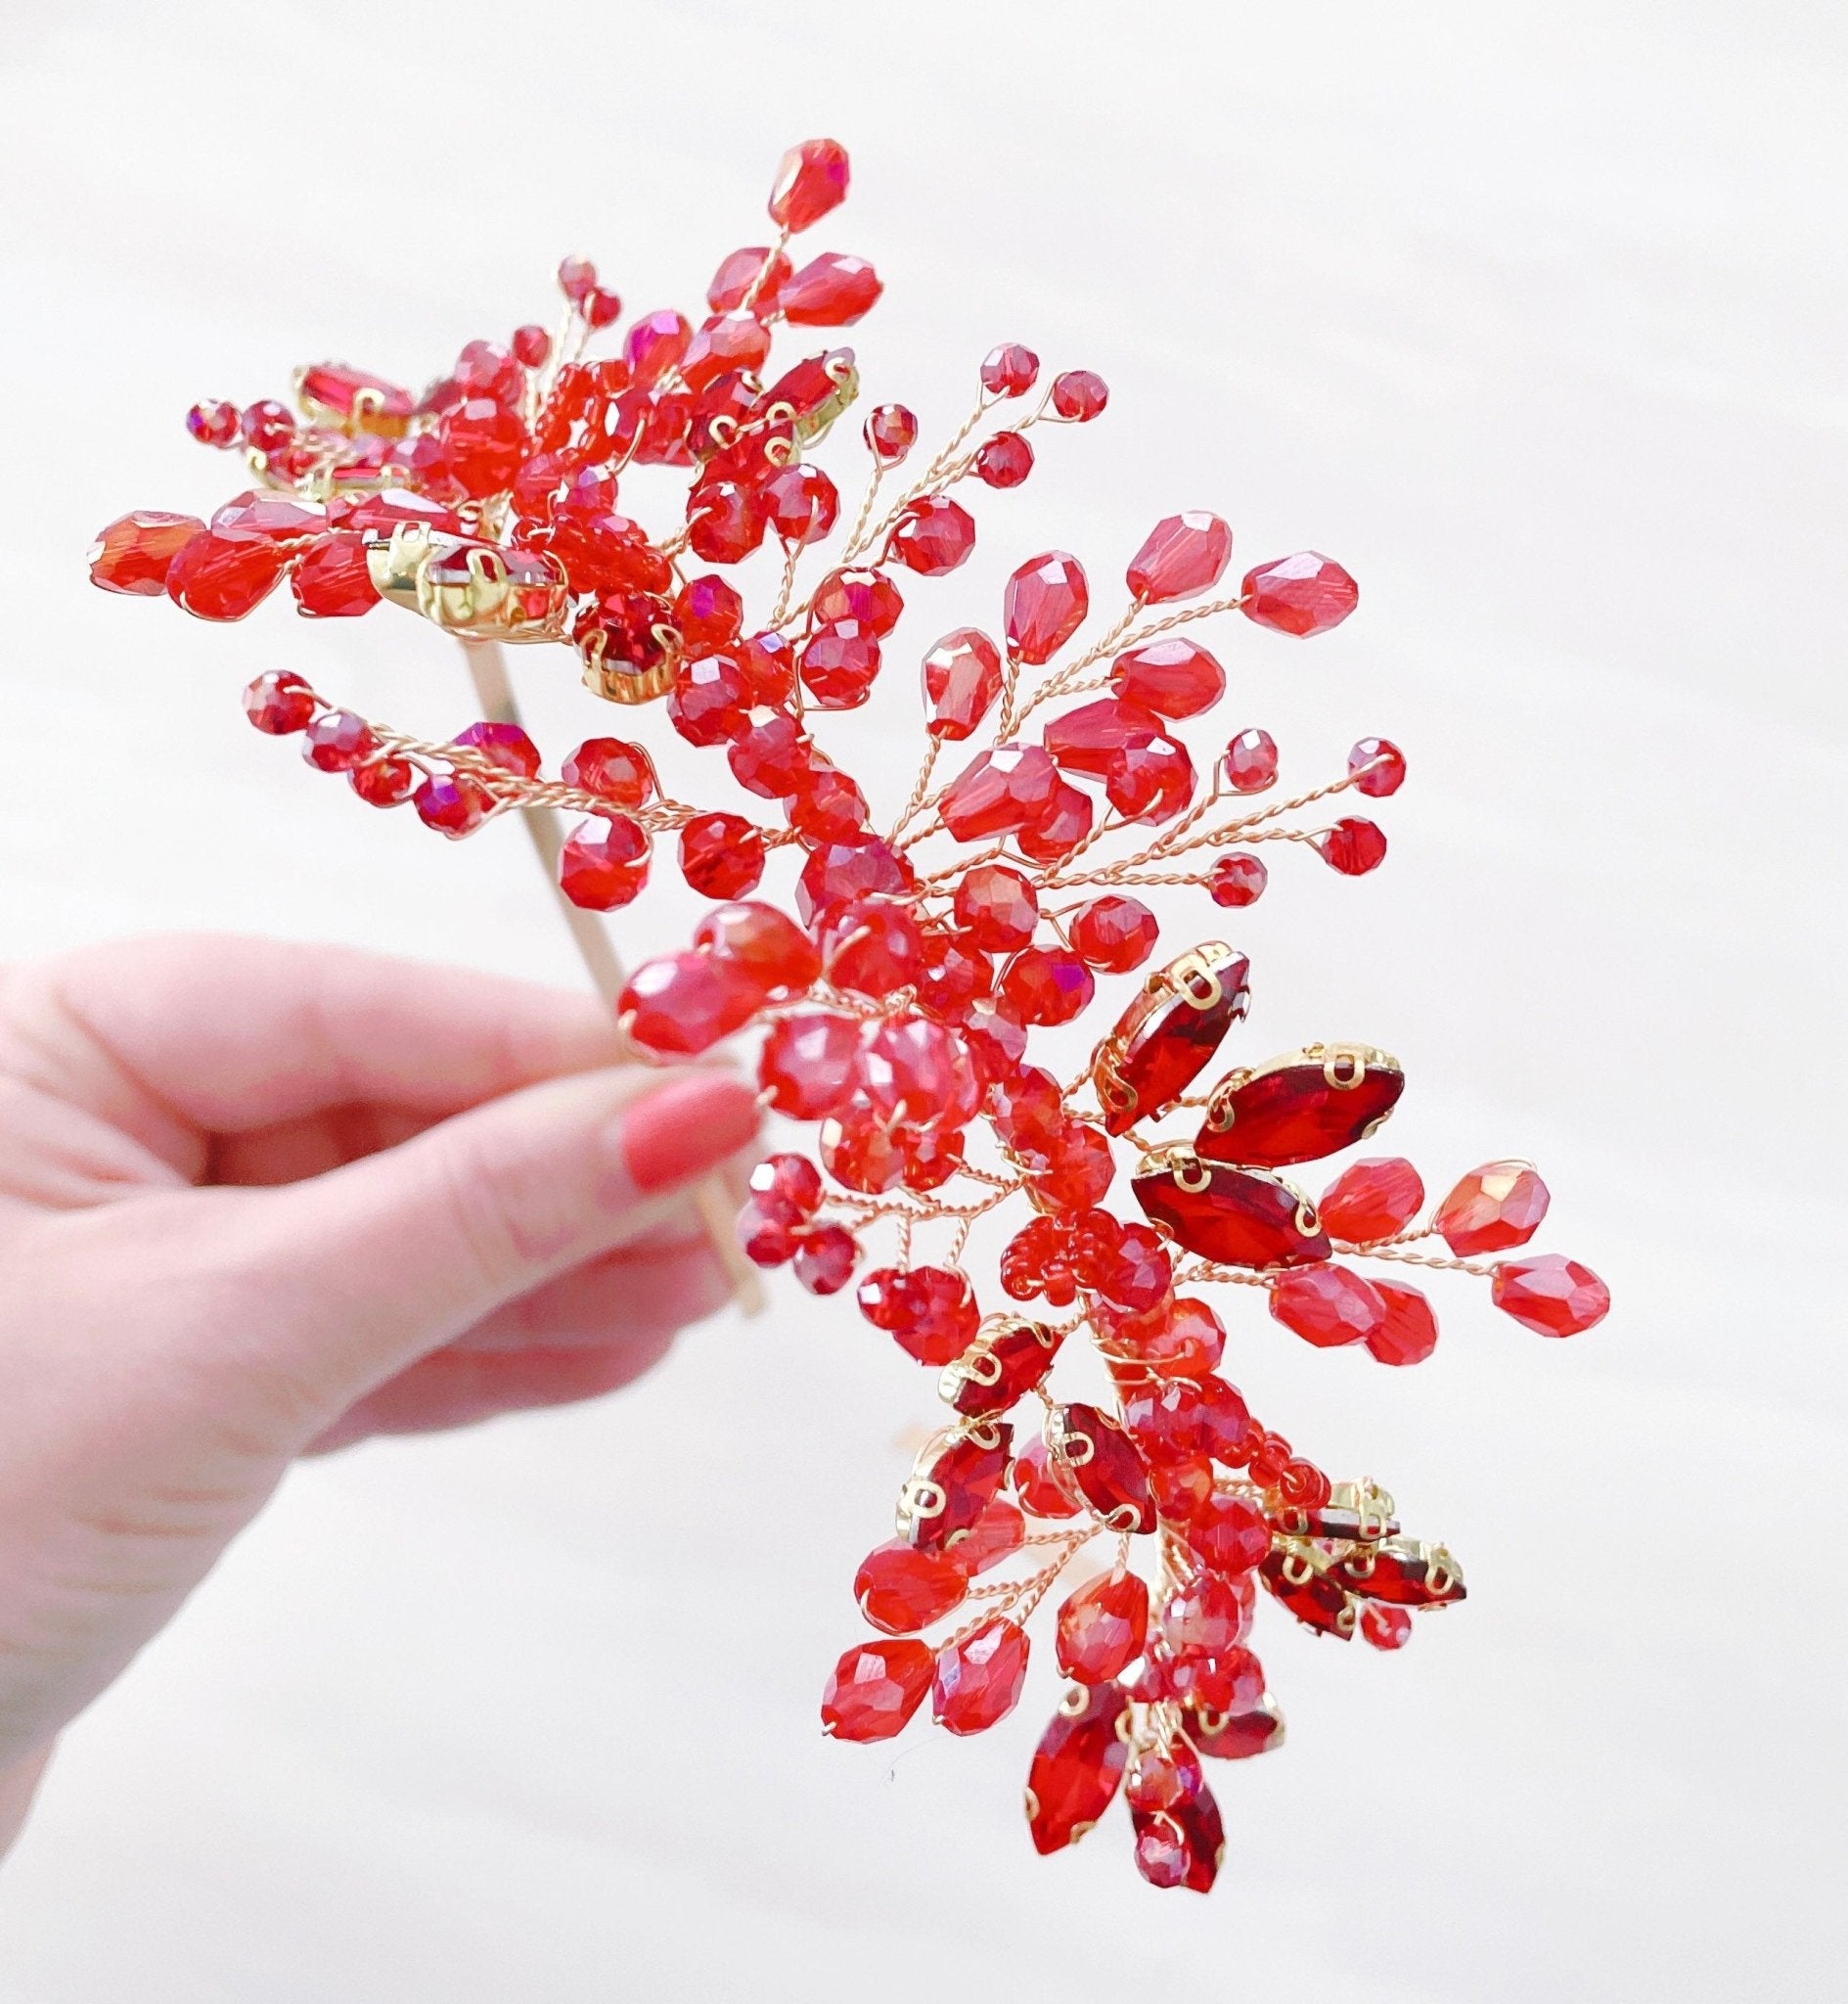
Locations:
column 901, row 994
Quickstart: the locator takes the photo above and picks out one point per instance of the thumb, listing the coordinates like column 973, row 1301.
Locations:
column 392, row 1255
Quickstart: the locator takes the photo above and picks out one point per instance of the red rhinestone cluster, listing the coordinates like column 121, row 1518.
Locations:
column 900, row 997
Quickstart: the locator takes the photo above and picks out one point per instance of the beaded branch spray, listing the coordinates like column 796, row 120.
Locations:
column 900, row 1004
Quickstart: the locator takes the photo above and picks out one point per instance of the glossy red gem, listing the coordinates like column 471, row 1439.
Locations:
column 1009, row 370
column 1045, row 604
column 891, row 431
column 1114, row 933
column 996, row 907
column 1372, row 1198
column 771, row 755
column 1045, row 984
column 914, row 1071
column 962, row 679
column 1079, row 396
column 1549, row 1293
column 1182, row 1845
column 1329, row 1306
column 934, row 537
column 1077, row 1767
column 978, row 1679
column 873, row 1691
column 1209, row 1617
column 1299, row 1109
column 683, row 1003
column 1494, row 1208
column 930, row 1311
column 734, row 280
column 808, row 1065
column 263, row 513
column 1104, row 1467
column 385, row 782
column 781, row 957
column 213, row 424
column 1377, row 766
column 1236, row 1217
column 337, row 741
column 1101, row 1628
column 223, row 577
column 1409, row 1332
column 452, row 803
column 1302, row 594
column 1003, row 461
column 503, row 746
column 708, row 613
column 997, row 1531
column 838, row 665
column 901, row 1589
column 1352, row 847
column 604, row 863
column 1237, row 881
column 1168, row 1034
column 1177, row 678
column 279, row 704
column 825, row 1258
column 620, row 772
column 802, row 502
column 332, row 580
column 1404, row 1573
column 725, row 521
column 954, row 1485
column 482, row 444
column 829, row 290
column 840, row 872
column 1088, row 739
column 811, row 181
column 1238, row 1736
column 1000, row 1368
column 1229, row 1535
column 1385, row 1626
column 1006, row 789
column 1150, row 782
column 1183, row 556
column 135, row 551
column 873, row 948
column 1251, row 763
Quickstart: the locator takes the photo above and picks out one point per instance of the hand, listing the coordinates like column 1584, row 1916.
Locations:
column 257, row 1200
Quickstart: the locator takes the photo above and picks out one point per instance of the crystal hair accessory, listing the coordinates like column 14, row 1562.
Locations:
column 915, row 963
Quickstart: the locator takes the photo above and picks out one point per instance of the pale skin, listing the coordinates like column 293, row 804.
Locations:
column 260, row 1200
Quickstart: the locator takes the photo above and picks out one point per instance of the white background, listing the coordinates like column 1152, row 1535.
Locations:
column 1533, row 317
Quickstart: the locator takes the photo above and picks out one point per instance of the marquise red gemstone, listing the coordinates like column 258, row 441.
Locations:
column 1105, row 1467
column 1183, row 1844
column 873, row 1691
column 1077, row 1767
column 954, row 1485
column 1102, row 1626
column 1302, row 1108
column 1372, row 1198
column 1310, row 1592
column 1236, row 1217
column 1405, row 1572
column 1000, row 1368
column 1168, row 1034
column 1549, row 1293
column 1239, row 1735
column 1493, row 1208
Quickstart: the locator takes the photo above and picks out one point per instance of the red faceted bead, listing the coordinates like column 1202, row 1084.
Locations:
column 135, row 551
column 531, row 345
column 213, row 424
column 1104, row 1467
column 792, row 1178
column 1077, row 1767
column 934, row 537
column 769, row 665
column 1101, row 1628
column 766, row 943
column 619, row 772
column 1176, row 678
column 862, row 1152
column 891, row 431
column 1209, row 1617
column 873, row 948
column 978, row 1679
column 1328, row 1305
column 1150, row 782
column 721, row 855
column 1079, row 396
column 1376, row 767
column 385, row 782
column 683, row 1003
column 1063, row 824
column 263, row 513
column 267, row 425
column 1352, row 847
column 1229, row 1535
column 1006, row 789
column 1166, row 1420
column 829, row 290
column 1178, row 1339
column 604, row 863
column 771, row 755
column 829, row 808
column 452, row 803
column 808, row 1065
column 901, row 1589
column 1302, row 594
column 482, row 445
column 601, row 306
column 1237, row 881
column 811, row 181
column 727, row 342
column 802, row 502
column 1409, row 1334
column 998, row 1531
column 1236, row 1217
column 1494, row 1208
column 824, row 1258
column 873, row 1691
column 504, row 746
column 962, row 679
column 1114, row 933
column 1226, row 1420
column 1045, row 984
column 279, row 704
column 1088, row 739
column 840, row 872
column 929, row 1310
column 1045, row 604
column 1168, row 1034
column 1385, row 1626
column 725, row 521
column 914, row 1070
column 1251, row 763
column 337, row 741
column 868, row 598
column 768, row 1229
column 1372, row 1198
column 1549, row 1293
column 1240, row 1734
column 709, row 613
column 332, row 580
column 709, row 701
column 1003, row 461
column 1302, row 1108
column 654, row 344
column 1044, row 1486
column 953, row 1484
column 996, row 907
column 223, row 577
column 1184, row 556
column 740, row 273
column 838, row 665
column 1009, row 370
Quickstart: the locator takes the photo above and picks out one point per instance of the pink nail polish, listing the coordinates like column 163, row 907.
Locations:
column 687, row 1126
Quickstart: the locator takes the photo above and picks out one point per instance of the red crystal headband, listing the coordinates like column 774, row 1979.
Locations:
column 901, row 1002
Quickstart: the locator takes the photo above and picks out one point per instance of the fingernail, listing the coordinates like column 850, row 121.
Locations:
column 685, row 1128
